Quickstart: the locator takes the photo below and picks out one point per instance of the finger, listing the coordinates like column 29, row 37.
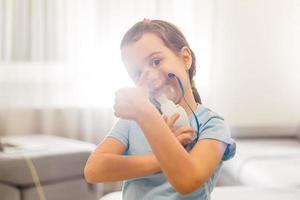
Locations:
column 184, row 138
column 173, row 119
column 185, row 142
column 116, row 114
column 165, row 118
column 116, row 108
column 184, row 129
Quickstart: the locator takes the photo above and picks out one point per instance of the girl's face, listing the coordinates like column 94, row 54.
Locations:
column 149, row 60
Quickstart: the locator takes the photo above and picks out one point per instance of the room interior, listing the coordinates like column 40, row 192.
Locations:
column 60, row 66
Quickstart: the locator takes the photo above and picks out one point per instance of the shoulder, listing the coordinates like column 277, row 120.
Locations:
column 125, row 126
column 124, row 122
column 208, row 117
column 213, row 126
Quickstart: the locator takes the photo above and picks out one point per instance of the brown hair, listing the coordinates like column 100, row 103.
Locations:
column 170, row 35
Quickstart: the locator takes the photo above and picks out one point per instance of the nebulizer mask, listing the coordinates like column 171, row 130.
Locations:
column 163, row 88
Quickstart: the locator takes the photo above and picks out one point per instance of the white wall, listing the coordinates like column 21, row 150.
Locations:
column 256, row 62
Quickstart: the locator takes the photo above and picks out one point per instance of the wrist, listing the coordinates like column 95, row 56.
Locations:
column 146, row 111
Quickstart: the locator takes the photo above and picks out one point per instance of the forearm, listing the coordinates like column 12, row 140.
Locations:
column 111, row 167
column 174, row 160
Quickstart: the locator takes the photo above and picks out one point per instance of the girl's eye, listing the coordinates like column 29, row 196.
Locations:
column 155, row 62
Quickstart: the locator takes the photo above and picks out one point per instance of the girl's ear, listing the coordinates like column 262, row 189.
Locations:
column 187, row 57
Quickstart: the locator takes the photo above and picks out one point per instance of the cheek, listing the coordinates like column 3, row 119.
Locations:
column 181, row 73
column 177, row 67
column 184, row 80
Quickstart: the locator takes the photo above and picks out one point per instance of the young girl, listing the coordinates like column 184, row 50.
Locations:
column 156, row 159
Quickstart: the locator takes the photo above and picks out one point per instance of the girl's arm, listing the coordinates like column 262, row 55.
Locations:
column 185, row 171
column 107, row 163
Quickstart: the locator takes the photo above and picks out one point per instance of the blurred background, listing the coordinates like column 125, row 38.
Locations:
column 60, row 63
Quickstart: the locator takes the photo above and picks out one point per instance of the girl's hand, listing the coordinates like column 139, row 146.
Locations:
column 131, row 103
column 184, row 134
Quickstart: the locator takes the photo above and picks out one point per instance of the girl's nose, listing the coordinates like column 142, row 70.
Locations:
column 153, row 78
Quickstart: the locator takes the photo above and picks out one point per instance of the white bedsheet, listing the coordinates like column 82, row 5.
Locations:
column 245, row 193
column 266, row 163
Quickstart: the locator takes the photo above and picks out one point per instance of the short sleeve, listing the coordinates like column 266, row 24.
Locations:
column 120, row 131
column 216, row 128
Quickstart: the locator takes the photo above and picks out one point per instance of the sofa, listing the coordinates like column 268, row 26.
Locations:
column 58, row 163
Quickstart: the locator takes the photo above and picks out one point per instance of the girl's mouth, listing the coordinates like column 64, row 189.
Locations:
column 167, row 89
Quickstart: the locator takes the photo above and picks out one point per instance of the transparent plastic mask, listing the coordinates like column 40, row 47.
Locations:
column 158, row 83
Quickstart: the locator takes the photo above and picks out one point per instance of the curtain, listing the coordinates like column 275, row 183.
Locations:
column 60, row 61
column 256, row 66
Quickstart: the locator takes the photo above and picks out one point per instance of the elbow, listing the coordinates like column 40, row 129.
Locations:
column 189, row 185
column 90, row 174
column 186, row 191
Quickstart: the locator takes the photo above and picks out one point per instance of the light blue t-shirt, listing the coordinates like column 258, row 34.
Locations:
column 156, row 186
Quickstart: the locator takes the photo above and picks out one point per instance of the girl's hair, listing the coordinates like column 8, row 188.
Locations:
column 170, row 35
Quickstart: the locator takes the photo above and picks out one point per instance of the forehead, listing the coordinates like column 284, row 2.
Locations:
column 147, row 44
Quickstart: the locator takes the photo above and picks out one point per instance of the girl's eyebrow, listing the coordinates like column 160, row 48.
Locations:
column 152, row 54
